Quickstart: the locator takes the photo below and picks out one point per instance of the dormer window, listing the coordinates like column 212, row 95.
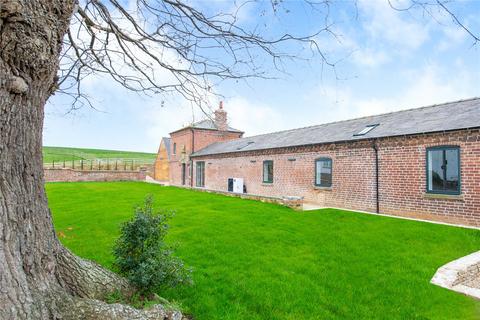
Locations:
column 366, row 130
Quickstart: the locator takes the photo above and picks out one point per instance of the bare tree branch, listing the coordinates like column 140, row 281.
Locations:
column 168, row 46
column 428, row 6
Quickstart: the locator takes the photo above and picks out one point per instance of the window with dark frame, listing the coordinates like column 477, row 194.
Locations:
column 268, row 171
column 200, row 174
column 174, row 148
column 443, row 170
column 323, row 172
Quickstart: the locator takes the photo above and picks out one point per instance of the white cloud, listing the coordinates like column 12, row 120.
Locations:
column 399, row 29
column 370, row 57
column 453, row 37
column 254, row 118
column 428, row 85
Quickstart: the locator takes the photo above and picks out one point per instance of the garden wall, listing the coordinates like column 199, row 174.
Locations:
column 71, row 175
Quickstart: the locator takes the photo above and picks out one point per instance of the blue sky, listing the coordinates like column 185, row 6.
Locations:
column 389, row 61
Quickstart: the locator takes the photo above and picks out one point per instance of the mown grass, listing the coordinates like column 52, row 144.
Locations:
column 59, row 154
column 254, row 260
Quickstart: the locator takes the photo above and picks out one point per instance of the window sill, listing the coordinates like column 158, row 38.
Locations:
column 267, row 184
column 322, row 188
column 441, row 196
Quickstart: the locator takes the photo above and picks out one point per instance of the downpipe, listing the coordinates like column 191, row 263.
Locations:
column 377, row 180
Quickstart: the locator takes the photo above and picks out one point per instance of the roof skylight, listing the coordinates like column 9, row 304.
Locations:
column 366, row 130
column 246, row 145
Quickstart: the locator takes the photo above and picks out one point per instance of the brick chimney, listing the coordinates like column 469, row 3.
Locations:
column 221, row 118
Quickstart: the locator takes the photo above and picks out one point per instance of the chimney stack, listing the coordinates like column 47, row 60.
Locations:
column 221, row 118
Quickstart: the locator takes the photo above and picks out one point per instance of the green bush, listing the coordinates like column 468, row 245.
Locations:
column 143, row 257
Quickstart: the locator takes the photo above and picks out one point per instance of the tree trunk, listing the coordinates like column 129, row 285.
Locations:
column 39, row 278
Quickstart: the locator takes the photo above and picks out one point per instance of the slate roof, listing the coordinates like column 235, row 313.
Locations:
column 435, row 118
column 207, row 124
column 166, row 141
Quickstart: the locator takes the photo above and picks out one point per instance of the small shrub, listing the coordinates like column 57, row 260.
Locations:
column 142, row 256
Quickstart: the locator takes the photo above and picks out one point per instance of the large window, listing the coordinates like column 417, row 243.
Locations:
column 323, row 172
column 268, row 171
column 443, row 170
column 200, row 177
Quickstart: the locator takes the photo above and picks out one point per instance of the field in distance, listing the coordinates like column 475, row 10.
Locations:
column 59, row 154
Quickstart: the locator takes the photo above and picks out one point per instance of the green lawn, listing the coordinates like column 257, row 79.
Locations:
column 254, row 260
column 59, row 154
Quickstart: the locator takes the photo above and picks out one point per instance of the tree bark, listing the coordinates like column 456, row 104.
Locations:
column 39, row 278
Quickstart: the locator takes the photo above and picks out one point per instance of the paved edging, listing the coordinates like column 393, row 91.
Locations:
column 461, row 275
column 401, row 217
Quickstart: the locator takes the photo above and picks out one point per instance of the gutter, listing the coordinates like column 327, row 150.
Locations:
column 191, row 161
column 377, row 182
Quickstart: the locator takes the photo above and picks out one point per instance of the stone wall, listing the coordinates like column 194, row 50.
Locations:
column 461, row 275
column 71, row 175
column 295, row 203
column 402, row 175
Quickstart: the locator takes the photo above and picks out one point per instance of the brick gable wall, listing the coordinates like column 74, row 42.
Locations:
column 402, row 175
column 161, row 166
column 200, row 138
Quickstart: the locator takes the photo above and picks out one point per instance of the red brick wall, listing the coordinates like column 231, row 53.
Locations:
column 204, row 138
column 402, row 175
column 184, row 140
column 403, row 178
column 70, row 175
column 296, row 178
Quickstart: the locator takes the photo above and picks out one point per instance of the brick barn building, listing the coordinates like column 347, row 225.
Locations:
column 422, row 163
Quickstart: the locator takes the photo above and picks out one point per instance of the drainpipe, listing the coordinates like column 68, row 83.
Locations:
column 377, row 183
column 191, row 161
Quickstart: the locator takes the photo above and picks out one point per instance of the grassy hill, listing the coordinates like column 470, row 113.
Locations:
column 59, row 154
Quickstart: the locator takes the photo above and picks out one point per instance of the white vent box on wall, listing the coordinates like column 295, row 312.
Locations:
column 235, row 185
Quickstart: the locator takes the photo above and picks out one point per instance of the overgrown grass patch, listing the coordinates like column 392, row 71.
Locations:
column 255, row 260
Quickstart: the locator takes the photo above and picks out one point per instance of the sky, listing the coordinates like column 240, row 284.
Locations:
column 385, row 60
